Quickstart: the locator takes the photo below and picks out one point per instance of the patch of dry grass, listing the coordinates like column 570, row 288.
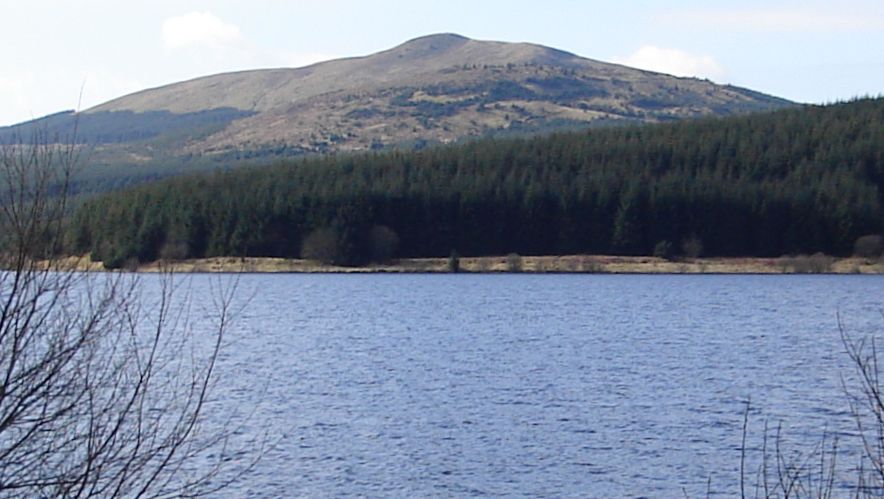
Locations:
column 529, row 264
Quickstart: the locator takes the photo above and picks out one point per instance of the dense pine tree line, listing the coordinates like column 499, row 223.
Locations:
column 796, row 181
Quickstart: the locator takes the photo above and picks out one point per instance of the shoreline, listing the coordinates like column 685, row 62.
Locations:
column 567, row 264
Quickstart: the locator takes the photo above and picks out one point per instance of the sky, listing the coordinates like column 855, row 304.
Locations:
column 74, row 54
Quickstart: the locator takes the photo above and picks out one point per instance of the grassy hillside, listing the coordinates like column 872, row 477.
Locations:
column 793, row 181
column 431, row 90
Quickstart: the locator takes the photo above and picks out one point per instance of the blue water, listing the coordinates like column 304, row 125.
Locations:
column 533, row 385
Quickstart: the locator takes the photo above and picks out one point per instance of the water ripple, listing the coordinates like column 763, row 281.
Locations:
column 531, row 386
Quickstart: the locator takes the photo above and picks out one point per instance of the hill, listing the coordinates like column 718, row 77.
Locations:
column 800, row 180
column 435, row 89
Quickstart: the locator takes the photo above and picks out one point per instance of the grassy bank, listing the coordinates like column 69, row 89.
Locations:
column 535, row 264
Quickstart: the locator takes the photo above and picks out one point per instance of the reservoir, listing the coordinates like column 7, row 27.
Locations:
column 535, row 385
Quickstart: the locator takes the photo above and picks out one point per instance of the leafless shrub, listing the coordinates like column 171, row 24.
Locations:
column 692, row 246
column 665, row 250
column 818, row 263
column 101, row 393
column 589, row 265
column 483, row 264
column 867, row 407
column 513, row 262
column 453, row 264
column 174, row 250
column 383, row 243
column 869, row 247
column 785, row 473
column 321, row 245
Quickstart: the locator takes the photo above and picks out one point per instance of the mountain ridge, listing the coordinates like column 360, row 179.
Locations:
column 433, row 89
column 376, row 71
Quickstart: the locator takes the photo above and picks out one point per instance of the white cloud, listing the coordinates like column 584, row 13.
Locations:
column 780, row 20
column 675, row 62
column 199, row 29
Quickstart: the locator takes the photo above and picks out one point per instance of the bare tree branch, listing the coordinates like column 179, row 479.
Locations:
column 98, row 396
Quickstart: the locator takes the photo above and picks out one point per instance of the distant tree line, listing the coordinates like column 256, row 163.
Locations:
column 801, row 180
